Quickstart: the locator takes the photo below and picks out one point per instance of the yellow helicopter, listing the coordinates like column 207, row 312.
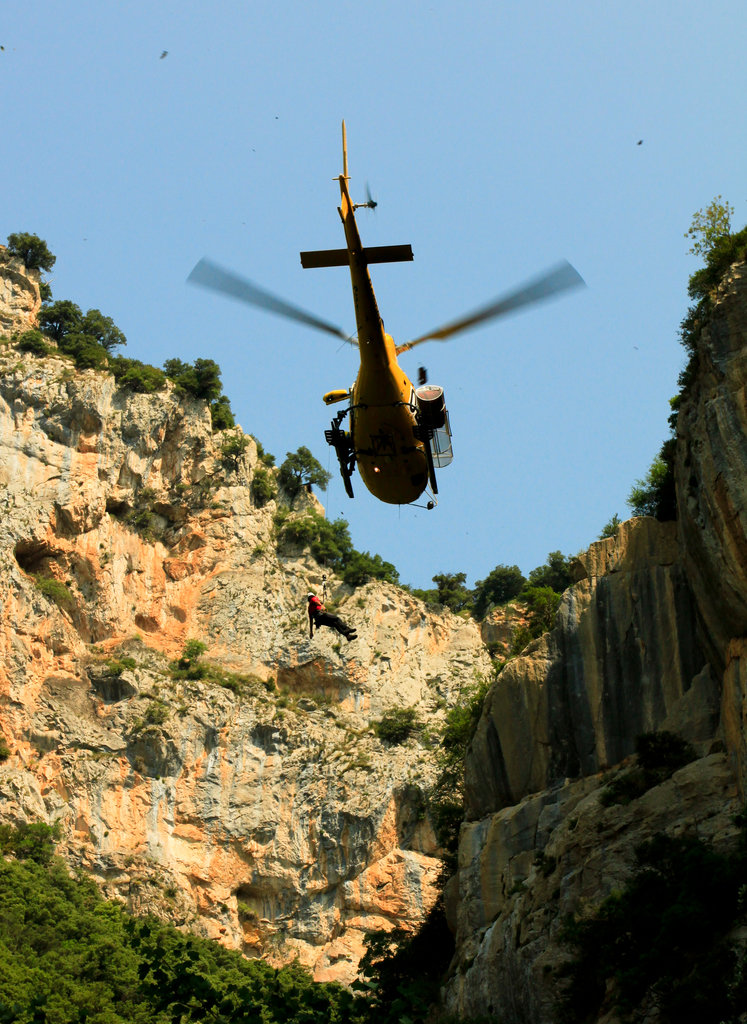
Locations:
column 398, row 434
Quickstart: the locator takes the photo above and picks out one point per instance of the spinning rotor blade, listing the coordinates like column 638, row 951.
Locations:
column 550, row 283
column 210, row 275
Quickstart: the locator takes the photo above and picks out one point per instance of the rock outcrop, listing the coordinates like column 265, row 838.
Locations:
column 20, row 297
column 255, row 804
column 650, row 637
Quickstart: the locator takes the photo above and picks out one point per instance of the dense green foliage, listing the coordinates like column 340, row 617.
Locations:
column 133, row 375
column 610, row 528
column 655, row 495
column 665, row 940
column 89, row 339
column 264, row 488
column 67, row 956
column 33, row 341
column 709, row 227
column 232, row 450
column 330, row 544
column 300, row 470
column 31, row 251
column 500, row 585
column 55, row 590
column 402, row 972
column 396, row 725
column 202, row 380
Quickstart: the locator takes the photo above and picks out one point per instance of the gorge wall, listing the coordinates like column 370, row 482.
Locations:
column 651, row 636
column 265, row 812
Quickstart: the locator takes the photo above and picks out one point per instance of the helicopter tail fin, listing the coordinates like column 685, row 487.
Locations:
column 371, row 254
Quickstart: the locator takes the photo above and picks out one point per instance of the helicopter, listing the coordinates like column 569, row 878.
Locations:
column 398, row 434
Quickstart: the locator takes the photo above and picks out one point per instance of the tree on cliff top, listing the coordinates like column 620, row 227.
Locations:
column 300, row 469
column 709, row 227
column 31, row 250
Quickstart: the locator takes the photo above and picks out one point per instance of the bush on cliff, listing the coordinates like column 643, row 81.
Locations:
column 33, row 341
column 665, row 941
column 331, row 546
column 396, row 725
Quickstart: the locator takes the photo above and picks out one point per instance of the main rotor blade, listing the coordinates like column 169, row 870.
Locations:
column 210, row 275
column 559, row 279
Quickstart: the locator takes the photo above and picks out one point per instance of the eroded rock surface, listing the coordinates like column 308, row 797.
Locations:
column 265, row 812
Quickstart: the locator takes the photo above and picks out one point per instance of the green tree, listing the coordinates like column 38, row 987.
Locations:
column 60, row 318
column 543, row 603
column 136, row 376
column 221, row 415
column 396, row 725
column 654, row 495
column 232, row 451
column 200, row 379
column 207, row 376
column 610, row 528
column 666, row 940
column 500, row 585
column 102, row 329
column 31, row 250
column 301, row 469
column 452, row 591
column 361, row 566
column 709, row 227
column 555, row 573
column 85, row 350
column 263, row 486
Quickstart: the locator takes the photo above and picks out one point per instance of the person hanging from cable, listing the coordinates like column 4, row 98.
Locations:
column 318, row 617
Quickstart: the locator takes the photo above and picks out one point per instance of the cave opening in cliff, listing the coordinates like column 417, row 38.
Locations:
column 33, row 556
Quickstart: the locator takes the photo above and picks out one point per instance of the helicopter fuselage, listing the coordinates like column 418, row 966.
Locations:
column 391, row 460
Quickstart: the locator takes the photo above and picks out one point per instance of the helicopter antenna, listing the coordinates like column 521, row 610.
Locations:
column 344, row 152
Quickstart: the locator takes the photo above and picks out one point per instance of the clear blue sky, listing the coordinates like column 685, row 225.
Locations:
column 498, row 138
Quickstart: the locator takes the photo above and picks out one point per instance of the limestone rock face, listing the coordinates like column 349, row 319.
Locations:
column 650, row 636
column 710, row 467
column 560, row 852
column 254, row 801
column 264, row 812
column 619, row 662
column 19, row 294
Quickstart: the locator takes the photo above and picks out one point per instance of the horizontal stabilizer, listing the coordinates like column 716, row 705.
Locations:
column 325, row 258
column 372, row 254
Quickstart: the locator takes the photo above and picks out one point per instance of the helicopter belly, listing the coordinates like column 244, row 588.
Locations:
column 391, row 462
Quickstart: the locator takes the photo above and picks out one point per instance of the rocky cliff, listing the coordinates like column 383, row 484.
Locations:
column 650, row 637
column 257, row 803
